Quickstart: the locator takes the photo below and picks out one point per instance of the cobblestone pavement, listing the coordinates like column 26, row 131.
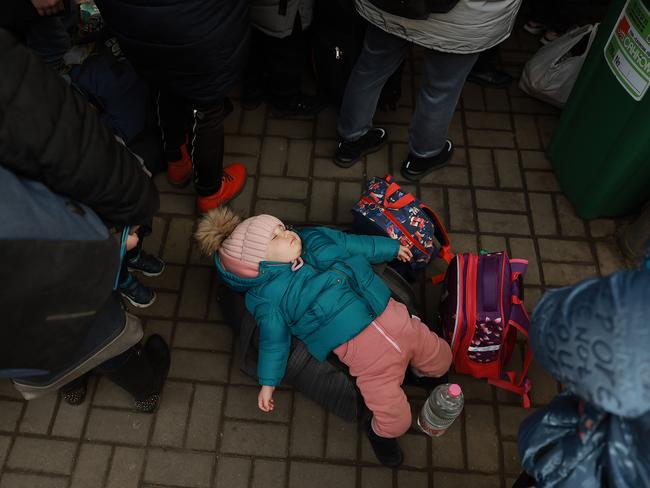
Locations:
column 499, row 193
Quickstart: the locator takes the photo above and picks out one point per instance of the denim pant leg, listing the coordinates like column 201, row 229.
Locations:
column 381, row 55
column 442, row 82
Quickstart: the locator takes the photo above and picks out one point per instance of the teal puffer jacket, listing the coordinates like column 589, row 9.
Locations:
column 325, row 303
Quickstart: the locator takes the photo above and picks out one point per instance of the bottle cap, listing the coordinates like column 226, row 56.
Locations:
column 454, row 390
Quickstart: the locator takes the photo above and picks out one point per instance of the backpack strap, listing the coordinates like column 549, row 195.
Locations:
column 440, row 233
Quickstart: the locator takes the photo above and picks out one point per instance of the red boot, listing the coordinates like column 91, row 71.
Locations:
column 232, row 182
column 179, row 172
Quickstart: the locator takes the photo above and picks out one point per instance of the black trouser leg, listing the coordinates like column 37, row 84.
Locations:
column 253, row 77
column 487, row 60
column 207, row 148
column 284, row 60
column 172, row 118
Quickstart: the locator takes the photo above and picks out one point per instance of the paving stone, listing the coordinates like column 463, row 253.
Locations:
column 325, row 168
column 231, row 123
column 447, row 450
column 377, row 163
column 242, row 202
column 456, row 480
column 308, row 424
column 242, row 404
column 503, row 223
column 177, row 243
column 242, row 145
column 174, row 203
column 163, row 186
column 511, row 462
column 269, row 474
column 10, row 414
column 249, row 162
column 415, row 449
column 169, row 280
column 530, row 106
column 274, row 155
column 204, row 421
column 299, row 158
column 341, row 438
column 172, row 414
column 463, row 242
column 567, row 274
column 398, row 133
column 119, row 427
column 570, row 224
column 542, row 181
column 108, row 394
column 535, row 160
column 282, row 188
column 492, row 243
column 541, row 206
column 254, row 439
column 207, row 336
column 44, row 455
column 288, row 212
column 91, row 466
column 482, row 443
column 561, row 250
column 126, row 468
column 547, row 126
column 496, row 99
column 400, row 116
column 448, row 175
column 602, row 227
column 179, row 468
column 5, row 442
column 194, row 298
column 325, row 148
column 70, row 419
column 315, row 475
column 376, row 478
column 609, row 258
column 323, row 196
column 38, row 414
column 487, row 120
column 500, row 200
column 526, row 132
column 434, row 198
column 296, row 129
column 201, row 366
column 15, row 480
column 525, row 249
column 412, row 479
column 507, row 163
column 472, row 97
column 510, row 418
column 163, row 306
column 348, row 196
column 253, row 120
column 461, row 211
column 233, row 472
column 544, row 385
column 533, row 296
column 490, row 138
column 482, row 166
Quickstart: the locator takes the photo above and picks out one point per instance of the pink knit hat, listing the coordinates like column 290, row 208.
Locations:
column 248, row 244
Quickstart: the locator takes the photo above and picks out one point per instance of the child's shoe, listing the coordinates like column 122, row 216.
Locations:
column 147, row 264
column 386, row 449
column 136, row 293
column 534, row 28
column 179, row 172
column 232, row 183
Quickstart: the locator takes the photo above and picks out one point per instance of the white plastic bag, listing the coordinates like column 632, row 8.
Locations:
column 550, row 74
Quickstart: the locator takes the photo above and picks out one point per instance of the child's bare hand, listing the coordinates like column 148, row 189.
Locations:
column 133, row 238
column 404, row 254
column 48, row 7
column 265, row 398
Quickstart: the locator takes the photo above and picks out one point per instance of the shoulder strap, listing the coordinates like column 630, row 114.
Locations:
column 440, row 233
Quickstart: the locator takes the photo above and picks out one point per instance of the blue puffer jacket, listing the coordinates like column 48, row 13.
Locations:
column 594, row 337
column 327, row 302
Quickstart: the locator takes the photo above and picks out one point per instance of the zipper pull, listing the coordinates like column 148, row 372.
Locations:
column 337, row 52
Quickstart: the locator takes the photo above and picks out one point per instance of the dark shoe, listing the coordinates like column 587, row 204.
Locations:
column 147, row 264
column 386, row 449
column 144, row 373
column 252, row 100
column 491, row 78
column 298, row 106
column 74, row 393
column 426, row 382
column 415, row 168
column 524, row 481
column 349, row 152
column 136, row 293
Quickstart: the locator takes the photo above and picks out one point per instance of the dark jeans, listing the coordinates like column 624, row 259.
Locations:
column 279, row 58
column 203, row 128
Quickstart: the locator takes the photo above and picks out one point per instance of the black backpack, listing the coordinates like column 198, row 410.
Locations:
column 337, row 39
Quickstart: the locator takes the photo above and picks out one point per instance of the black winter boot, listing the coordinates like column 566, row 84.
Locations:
column 74, row 393
column 144, row 373
column 386, row 449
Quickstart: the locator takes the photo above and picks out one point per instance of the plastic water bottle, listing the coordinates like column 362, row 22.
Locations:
column 443, row 406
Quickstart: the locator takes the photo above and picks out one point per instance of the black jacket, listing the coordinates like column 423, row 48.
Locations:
column 50, row 133
column 193, row 48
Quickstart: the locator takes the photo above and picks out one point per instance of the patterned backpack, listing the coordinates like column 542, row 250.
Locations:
column 481, row 310
column 386, row 209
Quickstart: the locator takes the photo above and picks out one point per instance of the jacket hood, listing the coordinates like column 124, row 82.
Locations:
column 594, row 337
column 268, row 270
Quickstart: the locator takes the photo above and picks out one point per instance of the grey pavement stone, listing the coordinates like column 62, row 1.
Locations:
column 320, row 475
column 325, row 148
column 488, row 120
column 177, row 243
column 179, row 468
column 349, row 194
column 177, row 204
column 170, row 279
column 10, row 414
column 561, row 250
column 196, row 291
column 299, row 158
column 323, row 198
column 609, row 258
column 242, row 145
column 5, row 442
column 203, row 427
column 412, row 479
column 472, row 97
column 490, row 138
column 341, row 438
column 510, row 418
column 376, row 478
column 415, row 449
column 242, row 203
column 325, row 168
column 253, row 120
column 91, row 466
column 15, row 480
column 541, row 206
column 108, row 394
column 434, row 198
column 282, row 188
column 496, row 99
column 461, row 211
column 456, row 480
column 492, row 243
column 171, row 415
column 525, row 249
column 44, row 455
column 161, row 327
column 200, row 335
column 199, row 365
column 233, row 472
column 308, row 426
column 286, row 211
column 38, row 414
column 163, row 306
column 503, row 223
column 448, row 175
column 570, row 224
column 126, row 468
column 511, row 462
column 377, row 163
column 297, row 129
column 269, row 474
column 567, row 274
column 602, row 227
column 500, row 200
column 118, row 427
column 242, row 404
column 544, row 385
column 507, row 163
column 526, row 132
column 255, row 439
column 481, row 438
column 542, row 181
column 447, row 450
column 482, row 167
column 535, row 160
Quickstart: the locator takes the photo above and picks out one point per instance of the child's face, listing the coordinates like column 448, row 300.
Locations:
column 285, row 246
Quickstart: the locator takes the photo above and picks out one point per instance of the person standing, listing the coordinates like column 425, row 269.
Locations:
column 453, row 41
column 192, row 52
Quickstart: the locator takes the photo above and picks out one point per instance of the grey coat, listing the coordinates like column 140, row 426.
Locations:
column 266, row 16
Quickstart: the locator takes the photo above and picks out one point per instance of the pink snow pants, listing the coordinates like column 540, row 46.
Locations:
column 378, row 358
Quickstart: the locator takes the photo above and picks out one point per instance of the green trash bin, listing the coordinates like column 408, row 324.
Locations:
column 601, row 149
